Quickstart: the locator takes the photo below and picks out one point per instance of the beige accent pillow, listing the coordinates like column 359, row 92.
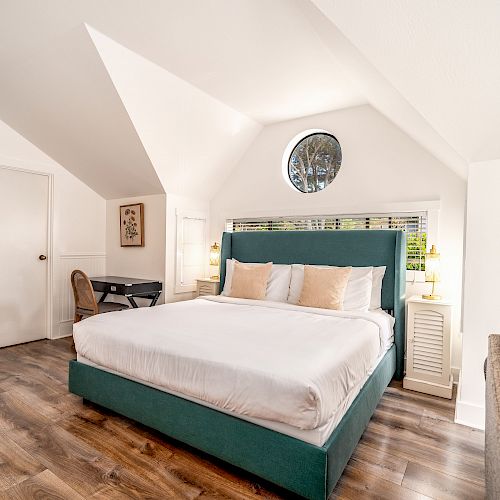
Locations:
column 250, row 282
column 324, row 287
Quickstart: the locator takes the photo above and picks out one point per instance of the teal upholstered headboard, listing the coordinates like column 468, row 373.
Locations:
column 335, row 248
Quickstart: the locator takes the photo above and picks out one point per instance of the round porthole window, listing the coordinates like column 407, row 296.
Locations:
column 314, row 162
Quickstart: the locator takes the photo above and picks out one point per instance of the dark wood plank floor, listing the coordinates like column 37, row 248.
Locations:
column 54, row 446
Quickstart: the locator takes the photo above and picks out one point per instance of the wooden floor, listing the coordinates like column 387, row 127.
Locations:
column 54, row 446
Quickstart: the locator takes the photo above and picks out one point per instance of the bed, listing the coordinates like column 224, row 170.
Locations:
column 304, row 443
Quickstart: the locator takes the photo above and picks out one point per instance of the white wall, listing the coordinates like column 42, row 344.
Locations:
column 157, row 259
column 383, row 169
column 481, row 297
column 78, row 214
column 192, row 139
column 137, row 262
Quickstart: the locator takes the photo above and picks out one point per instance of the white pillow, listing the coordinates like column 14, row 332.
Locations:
column 277, row 286
column 358, row 292
column 378, row 276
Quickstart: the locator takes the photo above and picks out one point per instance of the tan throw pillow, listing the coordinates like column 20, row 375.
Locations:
column 324, row 287
column 250, row 282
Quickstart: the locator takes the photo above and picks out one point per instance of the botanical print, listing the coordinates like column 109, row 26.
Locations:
column 132, row 225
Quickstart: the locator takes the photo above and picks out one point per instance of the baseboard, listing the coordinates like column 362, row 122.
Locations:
column 469, row 414
column 443, row 391
column 65, row 336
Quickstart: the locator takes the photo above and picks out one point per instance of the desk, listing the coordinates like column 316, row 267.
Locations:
column 128, row 287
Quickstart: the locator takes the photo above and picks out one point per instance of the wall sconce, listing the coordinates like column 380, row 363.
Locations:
column 432, row 272
column 215, row 259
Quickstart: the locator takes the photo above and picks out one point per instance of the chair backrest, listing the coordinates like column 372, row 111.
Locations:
column 83, row 293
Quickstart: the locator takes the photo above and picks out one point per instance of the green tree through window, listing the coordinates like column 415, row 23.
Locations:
column 415, row 226
column 314, row 162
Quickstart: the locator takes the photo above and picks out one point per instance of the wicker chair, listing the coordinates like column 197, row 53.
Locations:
column 85, row 302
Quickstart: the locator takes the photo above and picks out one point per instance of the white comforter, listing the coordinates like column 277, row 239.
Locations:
column 262, row 359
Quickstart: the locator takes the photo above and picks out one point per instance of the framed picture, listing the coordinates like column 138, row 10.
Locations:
column 132, row 225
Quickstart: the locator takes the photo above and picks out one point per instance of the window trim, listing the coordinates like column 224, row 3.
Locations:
column 288, row 152
column 431, row 208
column 182, row 215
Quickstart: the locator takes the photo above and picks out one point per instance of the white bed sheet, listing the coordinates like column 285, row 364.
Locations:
column 280, row 363
column 317, row 436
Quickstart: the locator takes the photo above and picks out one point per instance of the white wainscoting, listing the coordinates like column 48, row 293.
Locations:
column 93, row 264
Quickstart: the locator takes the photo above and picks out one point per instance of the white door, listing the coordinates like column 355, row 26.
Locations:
column 23, row 256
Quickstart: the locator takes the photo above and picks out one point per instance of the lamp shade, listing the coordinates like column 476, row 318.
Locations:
column 215, row 254
column 432, row 272
column 433, row 265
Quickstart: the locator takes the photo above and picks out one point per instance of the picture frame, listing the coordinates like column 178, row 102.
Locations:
column 132, row 225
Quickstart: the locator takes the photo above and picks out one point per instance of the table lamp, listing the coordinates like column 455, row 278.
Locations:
column 432, row 271
column 215, row 259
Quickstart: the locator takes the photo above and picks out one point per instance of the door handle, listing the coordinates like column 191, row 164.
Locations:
column 42, row 257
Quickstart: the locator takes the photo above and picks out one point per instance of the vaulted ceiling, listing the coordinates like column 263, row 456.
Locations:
column 441, row 55
column 139, row 97
column 61, row 99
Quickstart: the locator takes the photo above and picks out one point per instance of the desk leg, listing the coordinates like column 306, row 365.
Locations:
column 132, row 301
column 155, row 299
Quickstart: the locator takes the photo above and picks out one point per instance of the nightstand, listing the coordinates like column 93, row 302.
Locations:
column 428, row 346
column 207, row 286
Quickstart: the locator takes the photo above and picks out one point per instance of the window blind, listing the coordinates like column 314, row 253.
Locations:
column 414, row 224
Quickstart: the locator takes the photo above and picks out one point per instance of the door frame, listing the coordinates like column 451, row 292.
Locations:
column 49, row 303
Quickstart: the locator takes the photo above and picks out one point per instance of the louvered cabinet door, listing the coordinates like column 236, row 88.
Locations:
column 207, row 286
column 428, row 348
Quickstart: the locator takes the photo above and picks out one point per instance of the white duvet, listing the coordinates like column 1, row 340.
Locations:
column 261, row 359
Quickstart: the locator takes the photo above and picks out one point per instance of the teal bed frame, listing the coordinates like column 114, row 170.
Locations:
column 308, row 470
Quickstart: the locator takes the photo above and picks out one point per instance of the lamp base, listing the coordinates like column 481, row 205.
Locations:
column 431, row 297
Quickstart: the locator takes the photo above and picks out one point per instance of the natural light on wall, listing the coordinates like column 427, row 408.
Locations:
column 191, row 250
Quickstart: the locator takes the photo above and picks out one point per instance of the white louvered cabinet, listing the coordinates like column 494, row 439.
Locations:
column 428, row 347
column 207, row 286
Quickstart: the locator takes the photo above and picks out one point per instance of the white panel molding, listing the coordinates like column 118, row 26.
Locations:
column 93, row 264
column 82, row 255
column 65, row 329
